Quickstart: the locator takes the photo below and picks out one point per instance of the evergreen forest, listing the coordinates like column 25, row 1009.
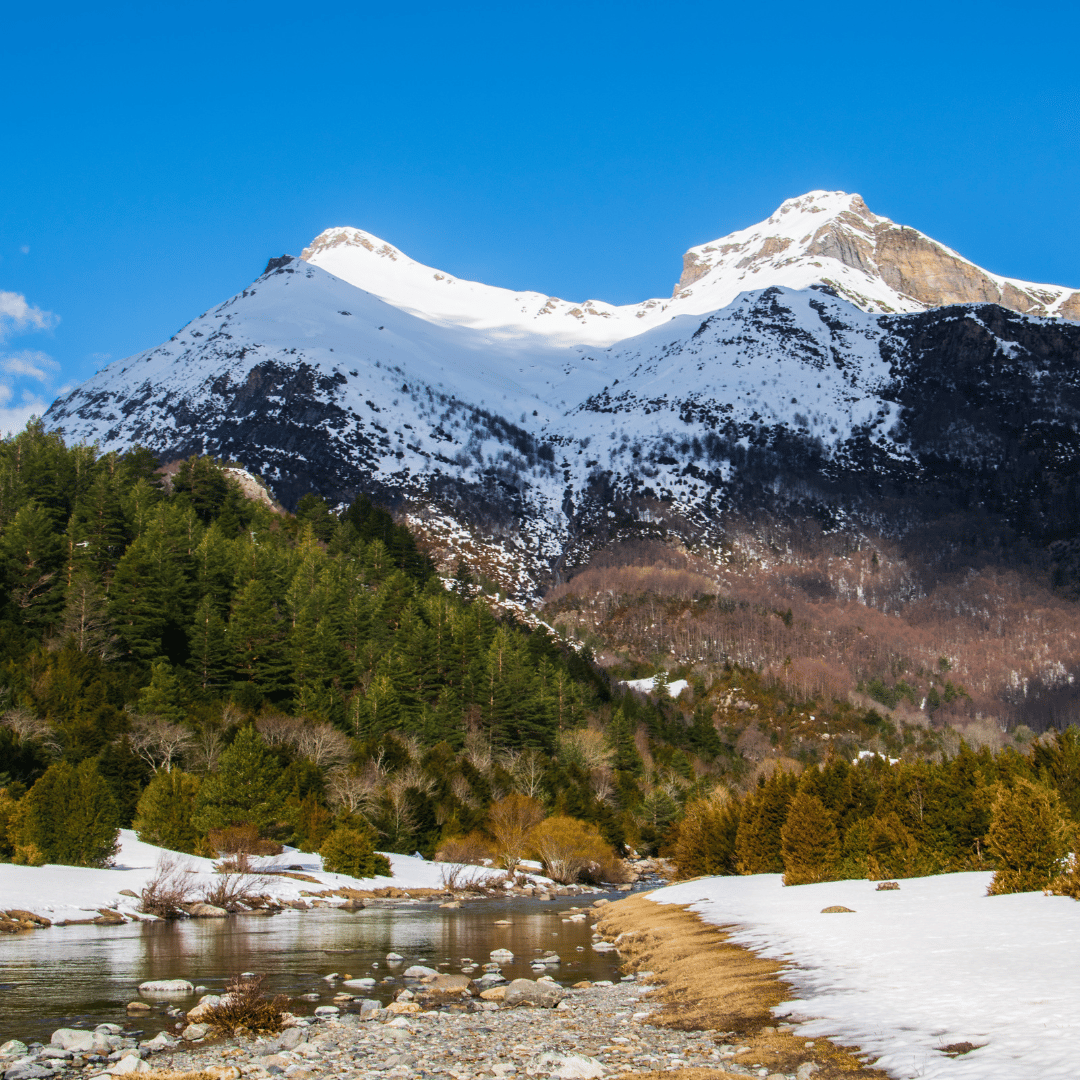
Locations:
column 183, row 658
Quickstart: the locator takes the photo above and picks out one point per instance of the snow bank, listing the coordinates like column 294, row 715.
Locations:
column 645, row 686
column 913, row 971
column 73, row 892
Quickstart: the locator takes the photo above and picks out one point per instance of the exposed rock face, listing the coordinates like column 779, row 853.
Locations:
column 908, row 262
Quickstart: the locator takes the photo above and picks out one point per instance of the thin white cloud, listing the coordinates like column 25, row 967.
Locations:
column 25, row 249
column 30, row 362
column 19, row 317
column 13, row 419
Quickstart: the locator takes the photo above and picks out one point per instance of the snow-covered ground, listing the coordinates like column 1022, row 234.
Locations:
column 73, row 892
column 645, row 686
column 935, row 963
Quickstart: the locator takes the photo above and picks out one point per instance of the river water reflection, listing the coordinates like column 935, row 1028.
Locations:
column 78, row 975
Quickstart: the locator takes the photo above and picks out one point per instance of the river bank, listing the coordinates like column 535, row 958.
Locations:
column 649, row 1021
column 40, row 896
column 595, row 1031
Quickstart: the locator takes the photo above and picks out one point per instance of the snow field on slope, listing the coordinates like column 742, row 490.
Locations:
column 76, row 892
column 734, row 367
column 912, row 971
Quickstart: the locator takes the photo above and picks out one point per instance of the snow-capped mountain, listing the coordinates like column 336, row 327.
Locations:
column 822, row 238
column 803, row 363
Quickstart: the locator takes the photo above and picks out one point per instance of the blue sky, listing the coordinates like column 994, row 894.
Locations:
column 154, row 156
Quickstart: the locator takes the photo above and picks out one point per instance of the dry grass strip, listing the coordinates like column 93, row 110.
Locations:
column 707, row 983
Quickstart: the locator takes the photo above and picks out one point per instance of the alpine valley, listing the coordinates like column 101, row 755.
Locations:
column 839, row 401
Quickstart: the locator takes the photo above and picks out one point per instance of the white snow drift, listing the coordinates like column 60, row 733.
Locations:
column 912, row 971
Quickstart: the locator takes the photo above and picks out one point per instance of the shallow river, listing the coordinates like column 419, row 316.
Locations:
column 79, row 975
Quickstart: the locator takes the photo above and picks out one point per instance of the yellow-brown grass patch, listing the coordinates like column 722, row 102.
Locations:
column 707, row 983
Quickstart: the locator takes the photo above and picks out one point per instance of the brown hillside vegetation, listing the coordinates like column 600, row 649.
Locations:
column 710, row 984
column 827, row 616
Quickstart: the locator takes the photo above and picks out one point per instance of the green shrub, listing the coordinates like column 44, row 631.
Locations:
column 163, row 816
column 350, row 850
column 71, row 816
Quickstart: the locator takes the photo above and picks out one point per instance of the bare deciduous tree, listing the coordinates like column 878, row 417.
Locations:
column 356, row 792
column 158, row 742
column 510, row 821
column 31, row 728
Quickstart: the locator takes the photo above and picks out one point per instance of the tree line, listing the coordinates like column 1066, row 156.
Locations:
column 1016, row 814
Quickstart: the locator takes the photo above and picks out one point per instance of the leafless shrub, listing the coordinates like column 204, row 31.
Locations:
column 458, row 878
column 323, row 745
column 234, row 889
column 235, row 840
column 317, row 740
column 510, row 822
column 169, row 889
column 474, row 849
column 205, row 751
column 587, row 748
column 527, row 767
column 478, row 751
column 244, row 1005
column 159, row 742
column 602, row 782
column 31, row 728
column 356, row 792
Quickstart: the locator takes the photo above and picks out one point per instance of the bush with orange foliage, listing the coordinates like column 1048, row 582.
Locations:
column 475, row 849
column 573, row 850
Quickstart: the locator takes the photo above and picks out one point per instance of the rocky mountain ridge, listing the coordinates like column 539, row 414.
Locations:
column 532, row 430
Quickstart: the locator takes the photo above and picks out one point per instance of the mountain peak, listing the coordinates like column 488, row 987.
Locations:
column 346, row 236
column 834, row 239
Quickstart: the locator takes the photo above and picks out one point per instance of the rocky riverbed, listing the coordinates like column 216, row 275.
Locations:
column 582, row 1033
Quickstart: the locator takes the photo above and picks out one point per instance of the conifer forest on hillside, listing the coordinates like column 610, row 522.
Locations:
column 181, row 658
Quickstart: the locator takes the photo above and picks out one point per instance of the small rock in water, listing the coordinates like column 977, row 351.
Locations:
column 13, row 1048
column 419, row 971
column 360, row 984
column 166, row 986
column 137, row 1007
column 327, row 1010
column 502, row 956
column 393, row 958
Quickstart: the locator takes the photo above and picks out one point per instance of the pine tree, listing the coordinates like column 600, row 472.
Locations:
column 1029, row 838
column 208, row 656
column 85, row 619
column 809, row 842
column 126, row 775
column 34, row 559
column 758, row 843
column 246, row 789
column 71, row 816
column 706, row 843
column 162, row 697
column 255, row 638
column 165, row 811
